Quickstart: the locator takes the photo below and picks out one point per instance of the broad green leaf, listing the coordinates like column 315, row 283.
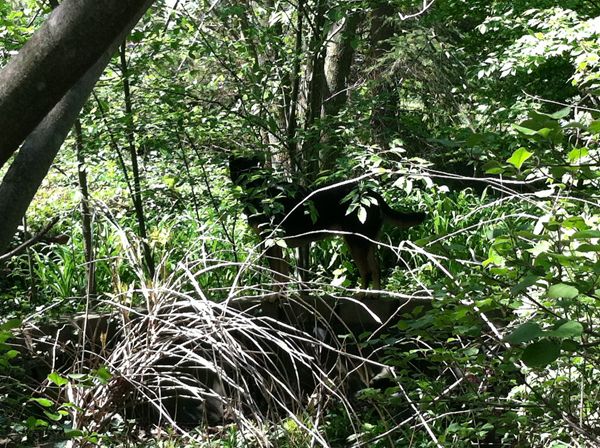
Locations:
column 524, row 130
column 493, row 167
column 34, row 423
column 71, row 433
column 544, row 132
column 55, row 378
column 588, row 248
column 575, row 222
column 567, row 330
column 104, row 375
column 562, row 291
column 585, row 234
column 576, row 154
column 44, row 402
column 10, row 324
column 562, row 113
column 519, row 157
column 595, row 127
column 524, row 333
column 541, row 353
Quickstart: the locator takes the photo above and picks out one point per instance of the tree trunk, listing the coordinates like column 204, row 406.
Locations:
column 385, row 104
column 86, row 216
column 338, row 63
column 73, row 38
column 316, row 85
column 31, row 165
column 137, row 189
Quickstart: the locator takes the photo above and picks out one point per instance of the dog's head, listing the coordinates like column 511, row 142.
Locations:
column 240, row 167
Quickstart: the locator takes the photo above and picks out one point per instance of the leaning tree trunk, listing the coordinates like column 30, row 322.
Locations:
column 73, row 38
column 37, row 153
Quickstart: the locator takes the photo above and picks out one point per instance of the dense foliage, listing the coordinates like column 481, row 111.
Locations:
column 485, row 115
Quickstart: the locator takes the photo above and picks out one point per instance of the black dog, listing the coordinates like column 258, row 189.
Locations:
column 301, row 216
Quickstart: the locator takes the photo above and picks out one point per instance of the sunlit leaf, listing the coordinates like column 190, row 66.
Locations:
column 55, row 378
column 567, row 330
column 44, row 402
column 519, row 157
column 562, row 291
column 576, row 154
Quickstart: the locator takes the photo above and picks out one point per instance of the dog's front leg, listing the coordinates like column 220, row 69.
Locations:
column 280, row 269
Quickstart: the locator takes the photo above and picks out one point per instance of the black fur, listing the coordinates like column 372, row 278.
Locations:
column 302, row 215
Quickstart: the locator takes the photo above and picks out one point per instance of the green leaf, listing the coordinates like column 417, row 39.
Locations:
column 567, row 330
column 52, row 416
column 519, row 157
column 562, row 291
column 585, row 234
column 595, row 127
column 72, row 433
column 44, row 402
column 540, row 353
column 528, row 281
column 524, row 130
column 55, row 378
column 10, row 324
column 362, row 214
column 562, row 113
column 524, row 333
column 104, row 375
column 493, row 167
column 576, row 154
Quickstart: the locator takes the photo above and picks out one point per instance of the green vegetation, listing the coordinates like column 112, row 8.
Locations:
column 484, row 115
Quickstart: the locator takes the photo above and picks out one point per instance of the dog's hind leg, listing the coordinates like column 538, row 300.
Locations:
column 363, row 254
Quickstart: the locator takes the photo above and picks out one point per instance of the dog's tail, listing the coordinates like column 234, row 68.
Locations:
column 399, row 219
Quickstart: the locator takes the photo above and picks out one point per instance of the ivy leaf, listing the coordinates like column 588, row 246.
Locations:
column 524, row 333
column 540, row 353
column 519, row 157
column 562, row 291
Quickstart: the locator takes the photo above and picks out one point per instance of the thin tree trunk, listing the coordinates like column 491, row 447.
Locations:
column 86, row 216
column 137, row 189
column 310, row 148
column 292, row 138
